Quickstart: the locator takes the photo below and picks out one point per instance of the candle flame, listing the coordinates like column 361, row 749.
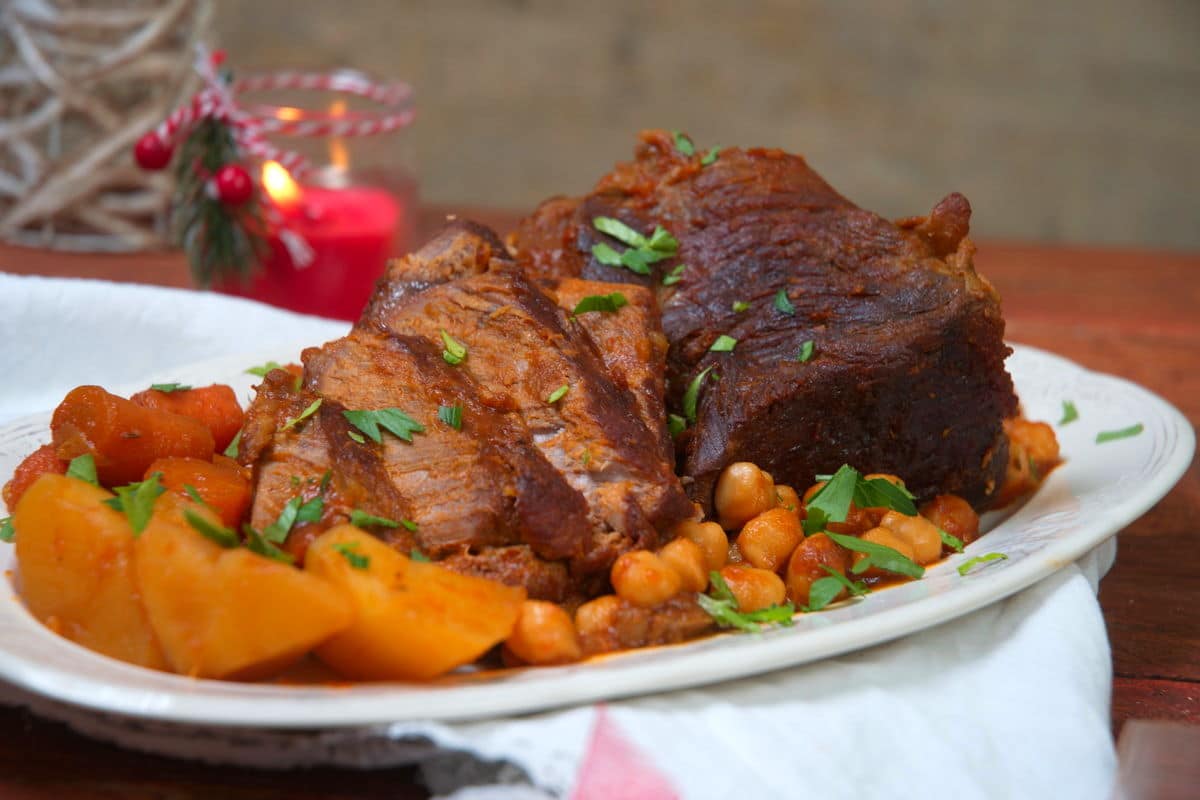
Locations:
column 338, row 157
column 278, row 183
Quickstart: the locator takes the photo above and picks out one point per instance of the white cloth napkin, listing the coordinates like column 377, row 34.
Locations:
column 1011, row 701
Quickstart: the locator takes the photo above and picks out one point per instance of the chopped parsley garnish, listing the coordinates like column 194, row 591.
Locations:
column 683, row 144
column 305, row 414
column 295, row 510
column 455, row 350
column 356, row 436
column 676, row 424
column 967, row 566
column 349, row 551
column 739, row 306
column 264, row 369
column 136, row 501
column 832, row 502
column 721, row 605
column 417, row 555
column 620, row 231
column 360, row 518
column 879, row 556
column 191, row 492
column 674, row 276
column 882, row 493
column 451, row 415
column 823, row 590
column 806, row 352
column 558, row 394
column 600, row 302
column 1123, row 433
column 692, row 395
column 643, row 251
column 1070, row 413
column 257, row 543
column 167, row 388
column 83, row 468
column 390, row 419
column 7, row 531
column 710, row 156
column 783, row 305
column 234, row 447
column 723, row 344
column 211, row 530
column 951, row 541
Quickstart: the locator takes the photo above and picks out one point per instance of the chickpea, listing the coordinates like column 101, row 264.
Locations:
column 597, row 617
column 1036, row 438
column 544, row 634
column 689, row 560
column 858, row 520
column 735, row 555
column 644, row 579
column 804, row 567
column 787, row 498
column 920, row 533
column 743, row 492
column 754, row 588
column 886, row 538
column 710, row 537
column 953, row 515
column 769, row 539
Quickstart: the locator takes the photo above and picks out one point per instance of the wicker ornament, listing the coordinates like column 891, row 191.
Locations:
column 79, row 85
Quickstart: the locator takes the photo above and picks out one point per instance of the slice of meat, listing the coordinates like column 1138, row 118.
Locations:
column 907, row 374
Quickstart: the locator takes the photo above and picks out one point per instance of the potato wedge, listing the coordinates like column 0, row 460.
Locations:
column 412, row 620
column 75, row 560
column 227, row 612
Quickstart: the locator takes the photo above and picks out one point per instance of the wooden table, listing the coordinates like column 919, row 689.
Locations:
column 1132, row 313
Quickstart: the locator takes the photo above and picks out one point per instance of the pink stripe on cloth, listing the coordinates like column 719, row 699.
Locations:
column 614, row 769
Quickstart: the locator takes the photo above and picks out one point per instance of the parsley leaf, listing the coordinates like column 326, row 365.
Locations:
column 360, row 519
column 967, row 566
column 167, row 388
column 710, row 156
column 683, row 144
column 600, row 302
column 7, row 531
column 295, row 510
column 257, row 543
column 606, row 255
column 783, row 305
column 136, row 501
column 661, row 241
column 723, row 344
column 455, row 350
column 721, row 605
column 349, row 551
column 1070, row 413
column 83, row 468
column 234, row 447
column 692, row 394
column 739, row 306
column 824, row 590
column 674, row 276
column 806, row 352
column 451, row 415
column 879, row 556
column 558, row 394
column 211, row 530
column 676, row 424
column 1123, row 433
column 643, row 251
column 305, row 414
column 882, row 493
column 356, row 436
column 390, row 419
column 814, row 521
column 620, row 231
column 834, row 498
column 264, row 369
column 417, row 555
column 951, row 541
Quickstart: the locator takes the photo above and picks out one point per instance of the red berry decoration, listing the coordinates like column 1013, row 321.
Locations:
column 150, row 152
column 233, row 184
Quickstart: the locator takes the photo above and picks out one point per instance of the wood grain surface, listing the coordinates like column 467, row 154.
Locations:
column 1126, row 312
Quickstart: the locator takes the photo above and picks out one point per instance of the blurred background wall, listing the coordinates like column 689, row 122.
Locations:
column 1071, row 121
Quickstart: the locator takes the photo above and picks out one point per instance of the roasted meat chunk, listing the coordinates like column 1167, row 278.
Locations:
column 905, row 371
column 521, row 489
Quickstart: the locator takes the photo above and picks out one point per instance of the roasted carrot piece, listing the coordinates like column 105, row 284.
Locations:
column 224, row 489
column 124, row 437
column 35, row 465
column 216, row 406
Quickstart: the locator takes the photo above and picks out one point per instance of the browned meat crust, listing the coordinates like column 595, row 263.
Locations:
column 908, row 372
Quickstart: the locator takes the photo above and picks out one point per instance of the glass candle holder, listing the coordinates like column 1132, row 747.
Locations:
column 354, row 204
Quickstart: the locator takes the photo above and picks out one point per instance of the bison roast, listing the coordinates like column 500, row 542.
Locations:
column 524, row 490
column 905, row 371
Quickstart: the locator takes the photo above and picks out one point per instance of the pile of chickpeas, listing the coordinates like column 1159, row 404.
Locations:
column 758, row 547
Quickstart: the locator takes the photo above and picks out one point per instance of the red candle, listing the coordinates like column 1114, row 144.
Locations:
column 351, row 232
